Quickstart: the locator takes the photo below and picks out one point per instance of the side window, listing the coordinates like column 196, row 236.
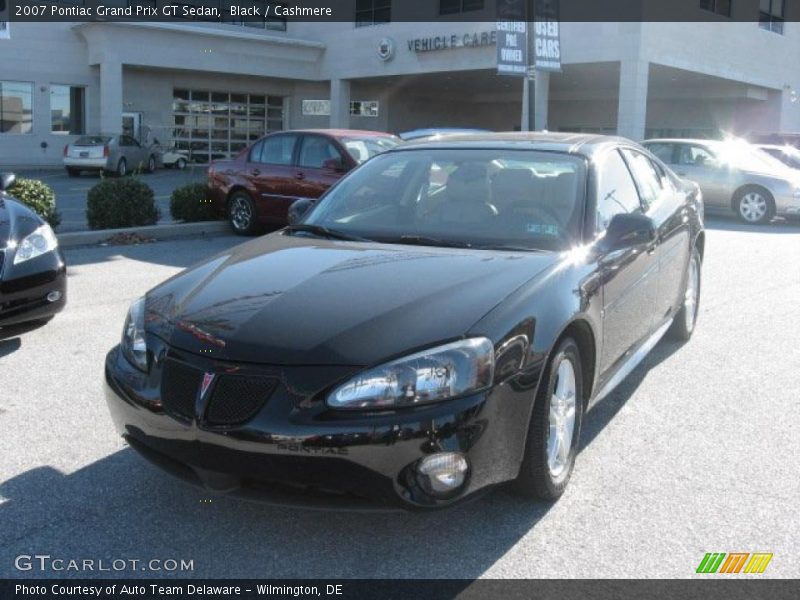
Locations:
column 278, row 150
column 691, row 155
column 255, row 152
column 662, row 151
column 616, row 192
column 647, row 178
column 316, row 150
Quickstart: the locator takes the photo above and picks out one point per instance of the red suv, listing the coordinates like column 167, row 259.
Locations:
column 259, row 185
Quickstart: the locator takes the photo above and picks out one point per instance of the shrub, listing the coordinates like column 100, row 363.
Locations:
column 190, row 203
column 125, row 202
column 39, row 197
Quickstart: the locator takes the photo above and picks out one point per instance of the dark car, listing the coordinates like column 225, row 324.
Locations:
column 257, row 187
column 412, row 343
column 33, row 274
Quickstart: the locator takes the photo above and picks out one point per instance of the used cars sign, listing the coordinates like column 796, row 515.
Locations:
column 546, row 36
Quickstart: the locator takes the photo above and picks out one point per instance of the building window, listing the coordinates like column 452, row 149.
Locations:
column 16, row 107
column 771, row 15
column 720, row 7
column 212, row 125
column 372, row 12
column 449, row 7
column 67, row 109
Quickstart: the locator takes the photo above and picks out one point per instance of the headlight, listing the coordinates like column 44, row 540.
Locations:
column 437, row 374
column 41, row 241
column 134, row 346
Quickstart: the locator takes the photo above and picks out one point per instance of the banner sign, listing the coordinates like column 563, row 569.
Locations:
column 358, row 108
column 512, row 48
column 546, row 36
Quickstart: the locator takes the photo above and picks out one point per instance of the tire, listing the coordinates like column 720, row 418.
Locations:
column 754, row 205
column 73, row 172
column 546, row 470
column 242, row 214
column 151, row 164
column 180, row 164
column 122, row 168
column 686, row 318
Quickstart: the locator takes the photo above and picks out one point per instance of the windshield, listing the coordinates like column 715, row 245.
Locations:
column 364, row 148
column 788, row 155
column 749, row 158
column 513, row 199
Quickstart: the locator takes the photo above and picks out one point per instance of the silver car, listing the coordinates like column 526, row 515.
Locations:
column 788, row 155
column 117, row 154
column 734, row 175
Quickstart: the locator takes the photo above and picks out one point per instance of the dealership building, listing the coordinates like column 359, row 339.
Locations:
column 211, row 88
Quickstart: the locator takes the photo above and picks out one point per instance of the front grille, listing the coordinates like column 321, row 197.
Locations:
column 180, row 385
column 237, row 398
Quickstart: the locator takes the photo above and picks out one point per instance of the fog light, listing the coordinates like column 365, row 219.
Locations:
column 443, row 473
column 54, row 296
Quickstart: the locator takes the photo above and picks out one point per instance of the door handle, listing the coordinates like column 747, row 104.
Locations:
column 255, row 172
column 300, row 175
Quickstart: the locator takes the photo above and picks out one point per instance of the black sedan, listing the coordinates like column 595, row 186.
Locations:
column 435, row 325
column 33, row 274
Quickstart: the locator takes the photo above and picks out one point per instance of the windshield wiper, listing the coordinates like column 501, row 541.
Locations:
column 422, row 240
column 506, row 248
column 322, row 231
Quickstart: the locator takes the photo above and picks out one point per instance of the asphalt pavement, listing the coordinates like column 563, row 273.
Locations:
column 697, row 451
column 71, row 191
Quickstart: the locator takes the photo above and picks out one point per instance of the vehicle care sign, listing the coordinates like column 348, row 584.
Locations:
column 512, row 37
column 546, row 36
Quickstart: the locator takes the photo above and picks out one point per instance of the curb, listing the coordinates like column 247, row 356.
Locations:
column 156, row 232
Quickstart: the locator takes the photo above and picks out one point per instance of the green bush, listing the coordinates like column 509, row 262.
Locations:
column 39, row 197
column 125, row 202
column 190, row 203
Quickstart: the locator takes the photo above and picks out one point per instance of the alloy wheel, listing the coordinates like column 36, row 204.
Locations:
column 753, row 207
column 690, row 299
column 241, row 213
column 562, row 419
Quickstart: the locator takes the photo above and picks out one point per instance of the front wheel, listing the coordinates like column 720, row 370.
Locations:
column 122, row 168
column 754, row 206
column 554, row 430
column 242, row 214
column 686, row 318
column 151, row 164
column 180, row 164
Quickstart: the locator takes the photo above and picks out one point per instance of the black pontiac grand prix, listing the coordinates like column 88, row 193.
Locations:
column 435, row 325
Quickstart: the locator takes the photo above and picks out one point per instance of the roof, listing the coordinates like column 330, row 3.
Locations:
column 341, row 132
column 573, row 143
column 682, row 141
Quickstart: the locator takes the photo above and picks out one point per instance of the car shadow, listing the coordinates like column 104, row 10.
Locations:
column 120, row 507
column 731, row 223
column 10, row 340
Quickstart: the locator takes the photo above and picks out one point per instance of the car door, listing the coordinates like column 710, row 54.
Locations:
column 133, row 153
column 666, row 205
column 698, row 163
column 630, row 275
column 270, row 172
column 314, row 171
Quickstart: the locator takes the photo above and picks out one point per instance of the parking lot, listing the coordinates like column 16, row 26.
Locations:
column 695, row 452
column 71, row 191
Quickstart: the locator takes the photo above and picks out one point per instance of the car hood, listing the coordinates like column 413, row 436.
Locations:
column 16, row 220
column 294, row 300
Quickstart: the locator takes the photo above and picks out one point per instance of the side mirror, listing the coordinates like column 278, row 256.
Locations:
column 6, row 181
column 334, row 164
column 298, row 209
column 628, row 230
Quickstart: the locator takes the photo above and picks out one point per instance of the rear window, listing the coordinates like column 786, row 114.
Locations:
column 93, row 140
column 365, row 148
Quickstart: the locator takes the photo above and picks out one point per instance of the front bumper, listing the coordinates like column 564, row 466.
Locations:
column 296, row 451
column 24, row 288
column 787, row 205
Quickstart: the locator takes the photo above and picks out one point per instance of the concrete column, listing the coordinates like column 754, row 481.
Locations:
column 632, row 111
column 340, row 103
column 541, row 93
column 111, row 96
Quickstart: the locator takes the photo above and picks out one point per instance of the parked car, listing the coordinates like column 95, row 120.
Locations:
column 114, row 154
column 173, row 158
column 410, row 344
column 416, row 134
column 733, row 175
column 788, row 155
column 259, row 185
column 33, row 274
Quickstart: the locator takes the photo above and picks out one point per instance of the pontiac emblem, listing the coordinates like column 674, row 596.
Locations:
column 208, row 379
